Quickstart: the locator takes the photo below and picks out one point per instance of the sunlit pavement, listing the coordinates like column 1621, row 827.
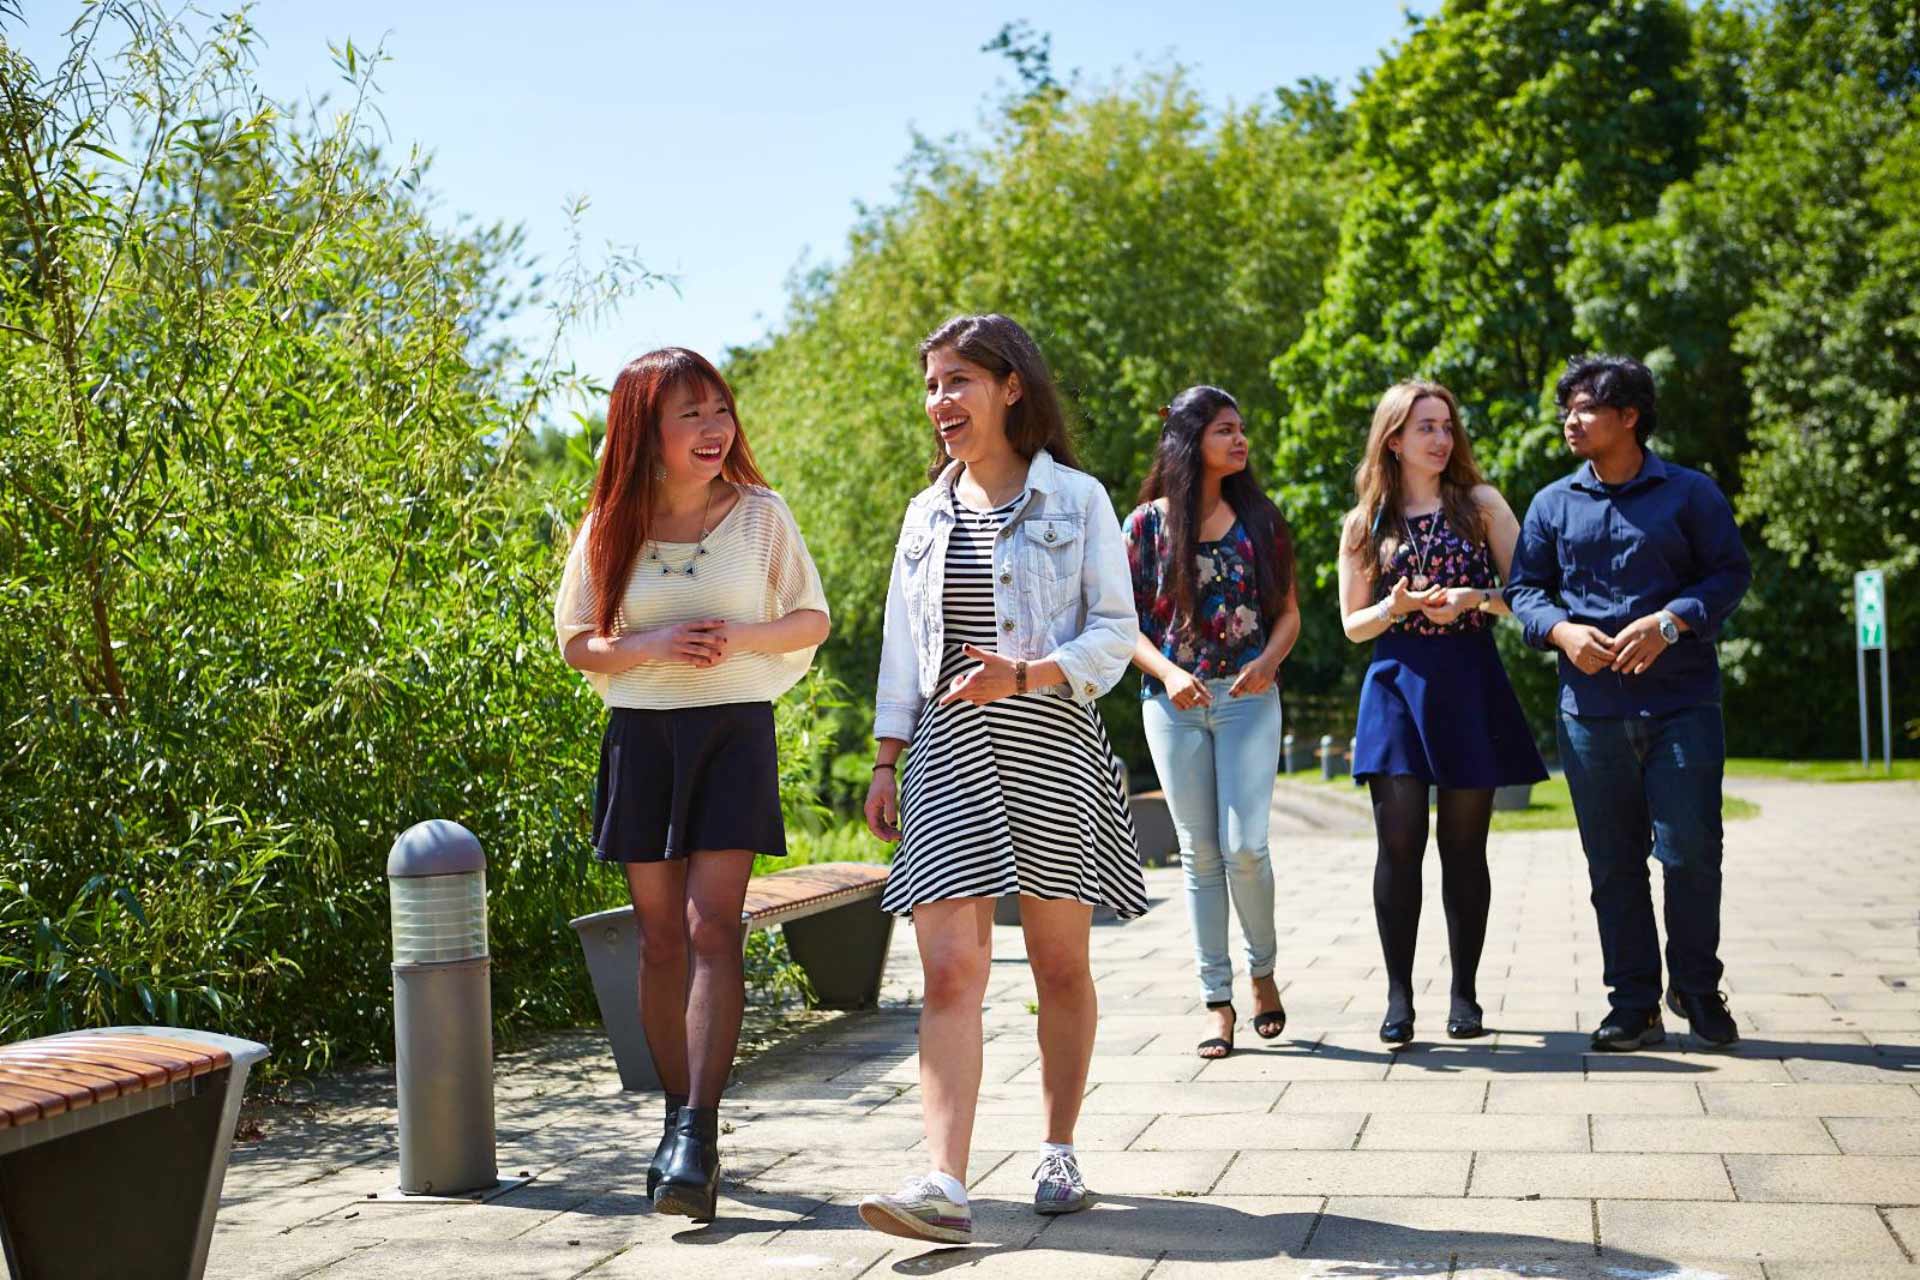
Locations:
column 1317, row 1155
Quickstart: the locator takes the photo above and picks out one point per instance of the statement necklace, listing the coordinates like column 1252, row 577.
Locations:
column 699, row 548
column 1420, row 547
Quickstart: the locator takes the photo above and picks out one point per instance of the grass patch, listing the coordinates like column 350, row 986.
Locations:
column 1820, row 770
column 1550, row 808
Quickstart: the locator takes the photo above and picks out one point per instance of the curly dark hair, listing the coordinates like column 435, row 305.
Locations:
column 1619, row 382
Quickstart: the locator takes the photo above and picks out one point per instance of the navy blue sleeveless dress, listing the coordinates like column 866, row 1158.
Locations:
column 1435, row 703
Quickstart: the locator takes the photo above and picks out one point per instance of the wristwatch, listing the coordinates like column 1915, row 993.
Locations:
column 1669, row 629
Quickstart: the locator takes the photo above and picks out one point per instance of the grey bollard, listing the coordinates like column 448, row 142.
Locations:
column 1287, row 764
column 1326, row 757
column 442, row 1010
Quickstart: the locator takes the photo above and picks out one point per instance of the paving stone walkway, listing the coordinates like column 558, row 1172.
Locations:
column 1320, row 1155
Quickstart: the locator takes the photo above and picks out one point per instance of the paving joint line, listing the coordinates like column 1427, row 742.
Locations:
column 1313, row 1228
column 1728, row 1170
column 1219, row 1177
column 1473, row 1159
column 1886, row 1221
column 1365, row 1120
column 1593, row 1208
column 1154, row 1266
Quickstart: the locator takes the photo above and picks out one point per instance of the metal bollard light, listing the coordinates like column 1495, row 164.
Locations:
column 442, row 1010
column 1287, row 764
column 1326, row 756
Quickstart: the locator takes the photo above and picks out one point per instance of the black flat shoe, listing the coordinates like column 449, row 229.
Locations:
column 690, row 1175
column 1465, row 1021
column 1397, row 1033
column 1214, row 1048
column 675, row 1101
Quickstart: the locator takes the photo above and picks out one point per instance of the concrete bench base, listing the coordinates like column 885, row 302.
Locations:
column 835, row 931
column 128, row 1185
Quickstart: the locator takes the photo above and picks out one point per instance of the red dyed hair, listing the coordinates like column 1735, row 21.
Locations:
column 625, row 487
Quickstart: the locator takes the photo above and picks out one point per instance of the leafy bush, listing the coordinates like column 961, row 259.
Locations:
column 277, row 577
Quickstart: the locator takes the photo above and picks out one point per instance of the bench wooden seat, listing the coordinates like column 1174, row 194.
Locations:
column 835, row 931
column 798, row 892
column 40, row 1079
column 139, row 1118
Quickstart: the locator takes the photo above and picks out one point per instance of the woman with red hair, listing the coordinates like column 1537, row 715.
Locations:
column 690, row 603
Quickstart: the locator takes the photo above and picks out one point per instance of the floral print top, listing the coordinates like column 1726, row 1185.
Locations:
column 1227, row 632
column 1446, row 559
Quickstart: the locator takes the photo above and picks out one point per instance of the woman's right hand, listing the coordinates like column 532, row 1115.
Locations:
column 698, row 644
column 1185, row 690
column 1403, row 600
column 883, row 805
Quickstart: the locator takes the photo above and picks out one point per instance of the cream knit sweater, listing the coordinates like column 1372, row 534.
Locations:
column 756, row 569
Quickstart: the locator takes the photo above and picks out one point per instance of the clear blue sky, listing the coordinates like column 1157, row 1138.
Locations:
column 727, row 140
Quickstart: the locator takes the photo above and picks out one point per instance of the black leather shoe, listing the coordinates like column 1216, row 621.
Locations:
column 690, row 1175
column 1465, row 1021
column 1625, row 1030
column 675, row 1101
column 1397, row 1033
column 1707, row 1017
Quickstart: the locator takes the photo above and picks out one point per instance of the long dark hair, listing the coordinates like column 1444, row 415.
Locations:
column 626, row 484
column 1000, row 346
column 1176, row 476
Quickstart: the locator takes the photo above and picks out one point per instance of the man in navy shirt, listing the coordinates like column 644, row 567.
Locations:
column 1628, row 567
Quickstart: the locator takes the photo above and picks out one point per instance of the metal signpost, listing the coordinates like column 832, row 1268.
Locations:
column 1870, row 632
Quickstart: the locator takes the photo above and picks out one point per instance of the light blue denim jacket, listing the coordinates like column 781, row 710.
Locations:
column 1061, row 591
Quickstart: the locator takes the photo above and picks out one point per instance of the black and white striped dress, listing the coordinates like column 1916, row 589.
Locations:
column 1023, row 795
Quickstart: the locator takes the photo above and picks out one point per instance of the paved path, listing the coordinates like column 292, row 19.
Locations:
column 1320, row 1156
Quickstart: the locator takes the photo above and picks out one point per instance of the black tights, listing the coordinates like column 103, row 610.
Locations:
column 1466, row 890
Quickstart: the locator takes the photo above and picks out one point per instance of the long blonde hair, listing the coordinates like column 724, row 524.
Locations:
column 1375, row 524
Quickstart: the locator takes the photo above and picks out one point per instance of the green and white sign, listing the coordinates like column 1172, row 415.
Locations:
column 1870, row 609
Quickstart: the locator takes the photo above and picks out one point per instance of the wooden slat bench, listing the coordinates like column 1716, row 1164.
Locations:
column 835, row 930
column 113, row 1147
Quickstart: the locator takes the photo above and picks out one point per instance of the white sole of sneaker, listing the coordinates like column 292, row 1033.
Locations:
column 884, row 1218
column 1052, row 1210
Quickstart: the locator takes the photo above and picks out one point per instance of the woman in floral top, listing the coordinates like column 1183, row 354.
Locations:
column 1212, row 564
column 1422, row 555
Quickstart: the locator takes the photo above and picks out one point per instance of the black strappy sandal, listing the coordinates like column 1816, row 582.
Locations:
column 1224, row 1045
column 1270, row 1024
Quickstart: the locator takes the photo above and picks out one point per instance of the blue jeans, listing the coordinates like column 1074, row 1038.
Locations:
column 1217, row 765
column 1640, row 784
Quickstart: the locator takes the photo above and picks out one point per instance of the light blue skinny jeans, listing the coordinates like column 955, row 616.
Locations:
column 1217, row 765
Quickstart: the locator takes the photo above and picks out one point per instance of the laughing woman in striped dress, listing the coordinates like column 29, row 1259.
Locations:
column 1010, row 610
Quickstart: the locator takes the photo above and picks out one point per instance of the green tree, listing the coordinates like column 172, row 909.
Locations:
column 1488, row 139
column 1773, row 295
column 1146, row 242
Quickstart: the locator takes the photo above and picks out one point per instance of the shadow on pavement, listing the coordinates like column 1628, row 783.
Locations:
column 1188, row 1230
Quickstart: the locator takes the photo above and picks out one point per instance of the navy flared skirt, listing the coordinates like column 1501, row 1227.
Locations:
column 1441, row 709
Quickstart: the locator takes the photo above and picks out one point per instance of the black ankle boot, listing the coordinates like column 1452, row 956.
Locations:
column 675, row 1101
column 690, row 1174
